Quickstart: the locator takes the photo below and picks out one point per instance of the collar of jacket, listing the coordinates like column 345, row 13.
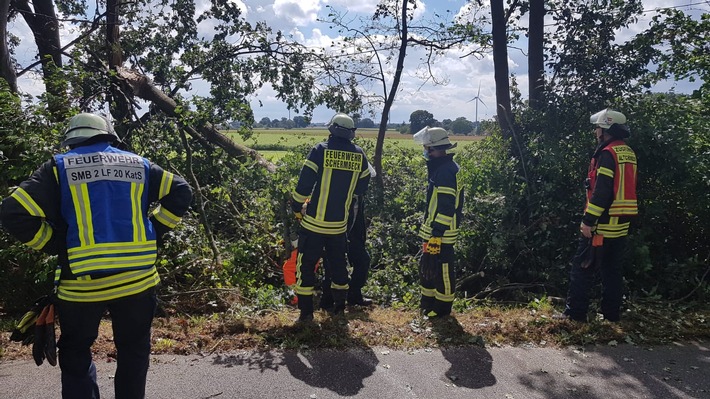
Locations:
column 434, row 163
column 603, row 145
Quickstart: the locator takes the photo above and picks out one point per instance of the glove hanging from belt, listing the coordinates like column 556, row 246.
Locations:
column 37, row 328
column 45, row 342
column 433, row 246
column 24, row 331
column 593, row 252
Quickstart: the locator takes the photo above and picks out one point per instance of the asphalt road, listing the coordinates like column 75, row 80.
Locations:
column 623, row 371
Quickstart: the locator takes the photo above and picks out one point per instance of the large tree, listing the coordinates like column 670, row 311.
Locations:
column 419, row 119
column 499, row 21
column 41, row 18
column 165, row 52
column 7, row 70
column 536, row 58
column 585, row 56
column 377, row 49
column 462, row 126
column 686, row 40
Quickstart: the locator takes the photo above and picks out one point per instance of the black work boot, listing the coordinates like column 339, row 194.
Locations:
column 339, row 297
column 305, row 304
column 426, row 305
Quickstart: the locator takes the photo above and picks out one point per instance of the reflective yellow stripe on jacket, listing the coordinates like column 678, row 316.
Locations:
column 112, row 256
column 44, row 234
column 108, row 288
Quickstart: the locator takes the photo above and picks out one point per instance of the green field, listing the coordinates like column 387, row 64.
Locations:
column 273, row 143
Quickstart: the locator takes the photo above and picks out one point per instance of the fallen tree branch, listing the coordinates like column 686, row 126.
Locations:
column 143, row 88
column 463, row 282
column 217, row 259
column 506, row 287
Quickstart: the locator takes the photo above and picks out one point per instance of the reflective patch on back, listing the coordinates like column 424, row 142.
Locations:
column 100, row 166
column 343, row 160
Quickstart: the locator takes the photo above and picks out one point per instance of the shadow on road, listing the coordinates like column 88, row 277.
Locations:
column 342, row 372
column 470, row 366
column 626, row 371
column 262, row 360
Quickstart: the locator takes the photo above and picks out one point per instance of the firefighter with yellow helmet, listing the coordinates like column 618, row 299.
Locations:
column 91, row 206
column 610, row 206
column 440, row 228
column 333, row 173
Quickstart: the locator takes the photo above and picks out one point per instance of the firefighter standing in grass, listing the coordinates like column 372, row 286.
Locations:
column 611, row 202
column 441, row 223
column 90, row 206
column 358, row 257
column 333, row 173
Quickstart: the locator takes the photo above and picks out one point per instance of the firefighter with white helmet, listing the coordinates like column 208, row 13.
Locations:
column 334, row 172
column 91, row 206
column 611, row 203
column 440, row 228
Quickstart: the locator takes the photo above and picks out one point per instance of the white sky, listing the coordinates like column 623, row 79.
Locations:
column 464, row 75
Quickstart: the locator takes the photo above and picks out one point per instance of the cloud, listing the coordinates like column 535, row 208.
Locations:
column 301, row 13
column 367, row 7
column 300, row 19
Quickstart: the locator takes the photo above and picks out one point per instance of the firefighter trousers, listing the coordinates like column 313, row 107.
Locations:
column 437, row 278
column 131, row 319
column 359, row 259
column 312, row 246
column 581, row 280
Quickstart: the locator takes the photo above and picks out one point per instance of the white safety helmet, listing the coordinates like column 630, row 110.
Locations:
column 436, row 137
column 614, row 122
column 85, row 126
column 341, row 125
column 607, row 117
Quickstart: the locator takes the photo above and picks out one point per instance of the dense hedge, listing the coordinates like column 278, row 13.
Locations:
column 521, row 213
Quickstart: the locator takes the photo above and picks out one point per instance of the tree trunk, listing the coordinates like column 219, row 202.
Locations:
column 7, row 70
column 120, row 107
column 45, row 28
column 390, row 99
column 143, row 88
column 536, row 66
column 500, row 63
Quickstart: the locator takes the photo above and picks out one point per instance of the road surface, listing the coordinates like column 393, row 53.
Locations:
column 623, row 371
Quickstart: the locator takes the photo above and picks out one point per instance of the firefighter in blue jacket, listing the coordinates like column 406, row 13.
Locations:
column 440, row 228
column 334, row 172
column 90, row 207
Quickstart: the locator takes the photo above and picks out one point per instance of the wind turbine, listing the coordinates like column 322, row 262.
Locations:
column 477, row 99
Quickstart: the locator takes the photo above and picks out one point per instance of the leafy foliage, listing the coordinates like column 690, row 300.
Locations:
column 521, row 212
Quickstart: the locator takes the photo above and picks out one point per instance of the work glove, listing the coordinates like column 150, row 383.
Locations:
column 433, row 246
column 298, row 215
column 25, row 330
column 45, row 342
